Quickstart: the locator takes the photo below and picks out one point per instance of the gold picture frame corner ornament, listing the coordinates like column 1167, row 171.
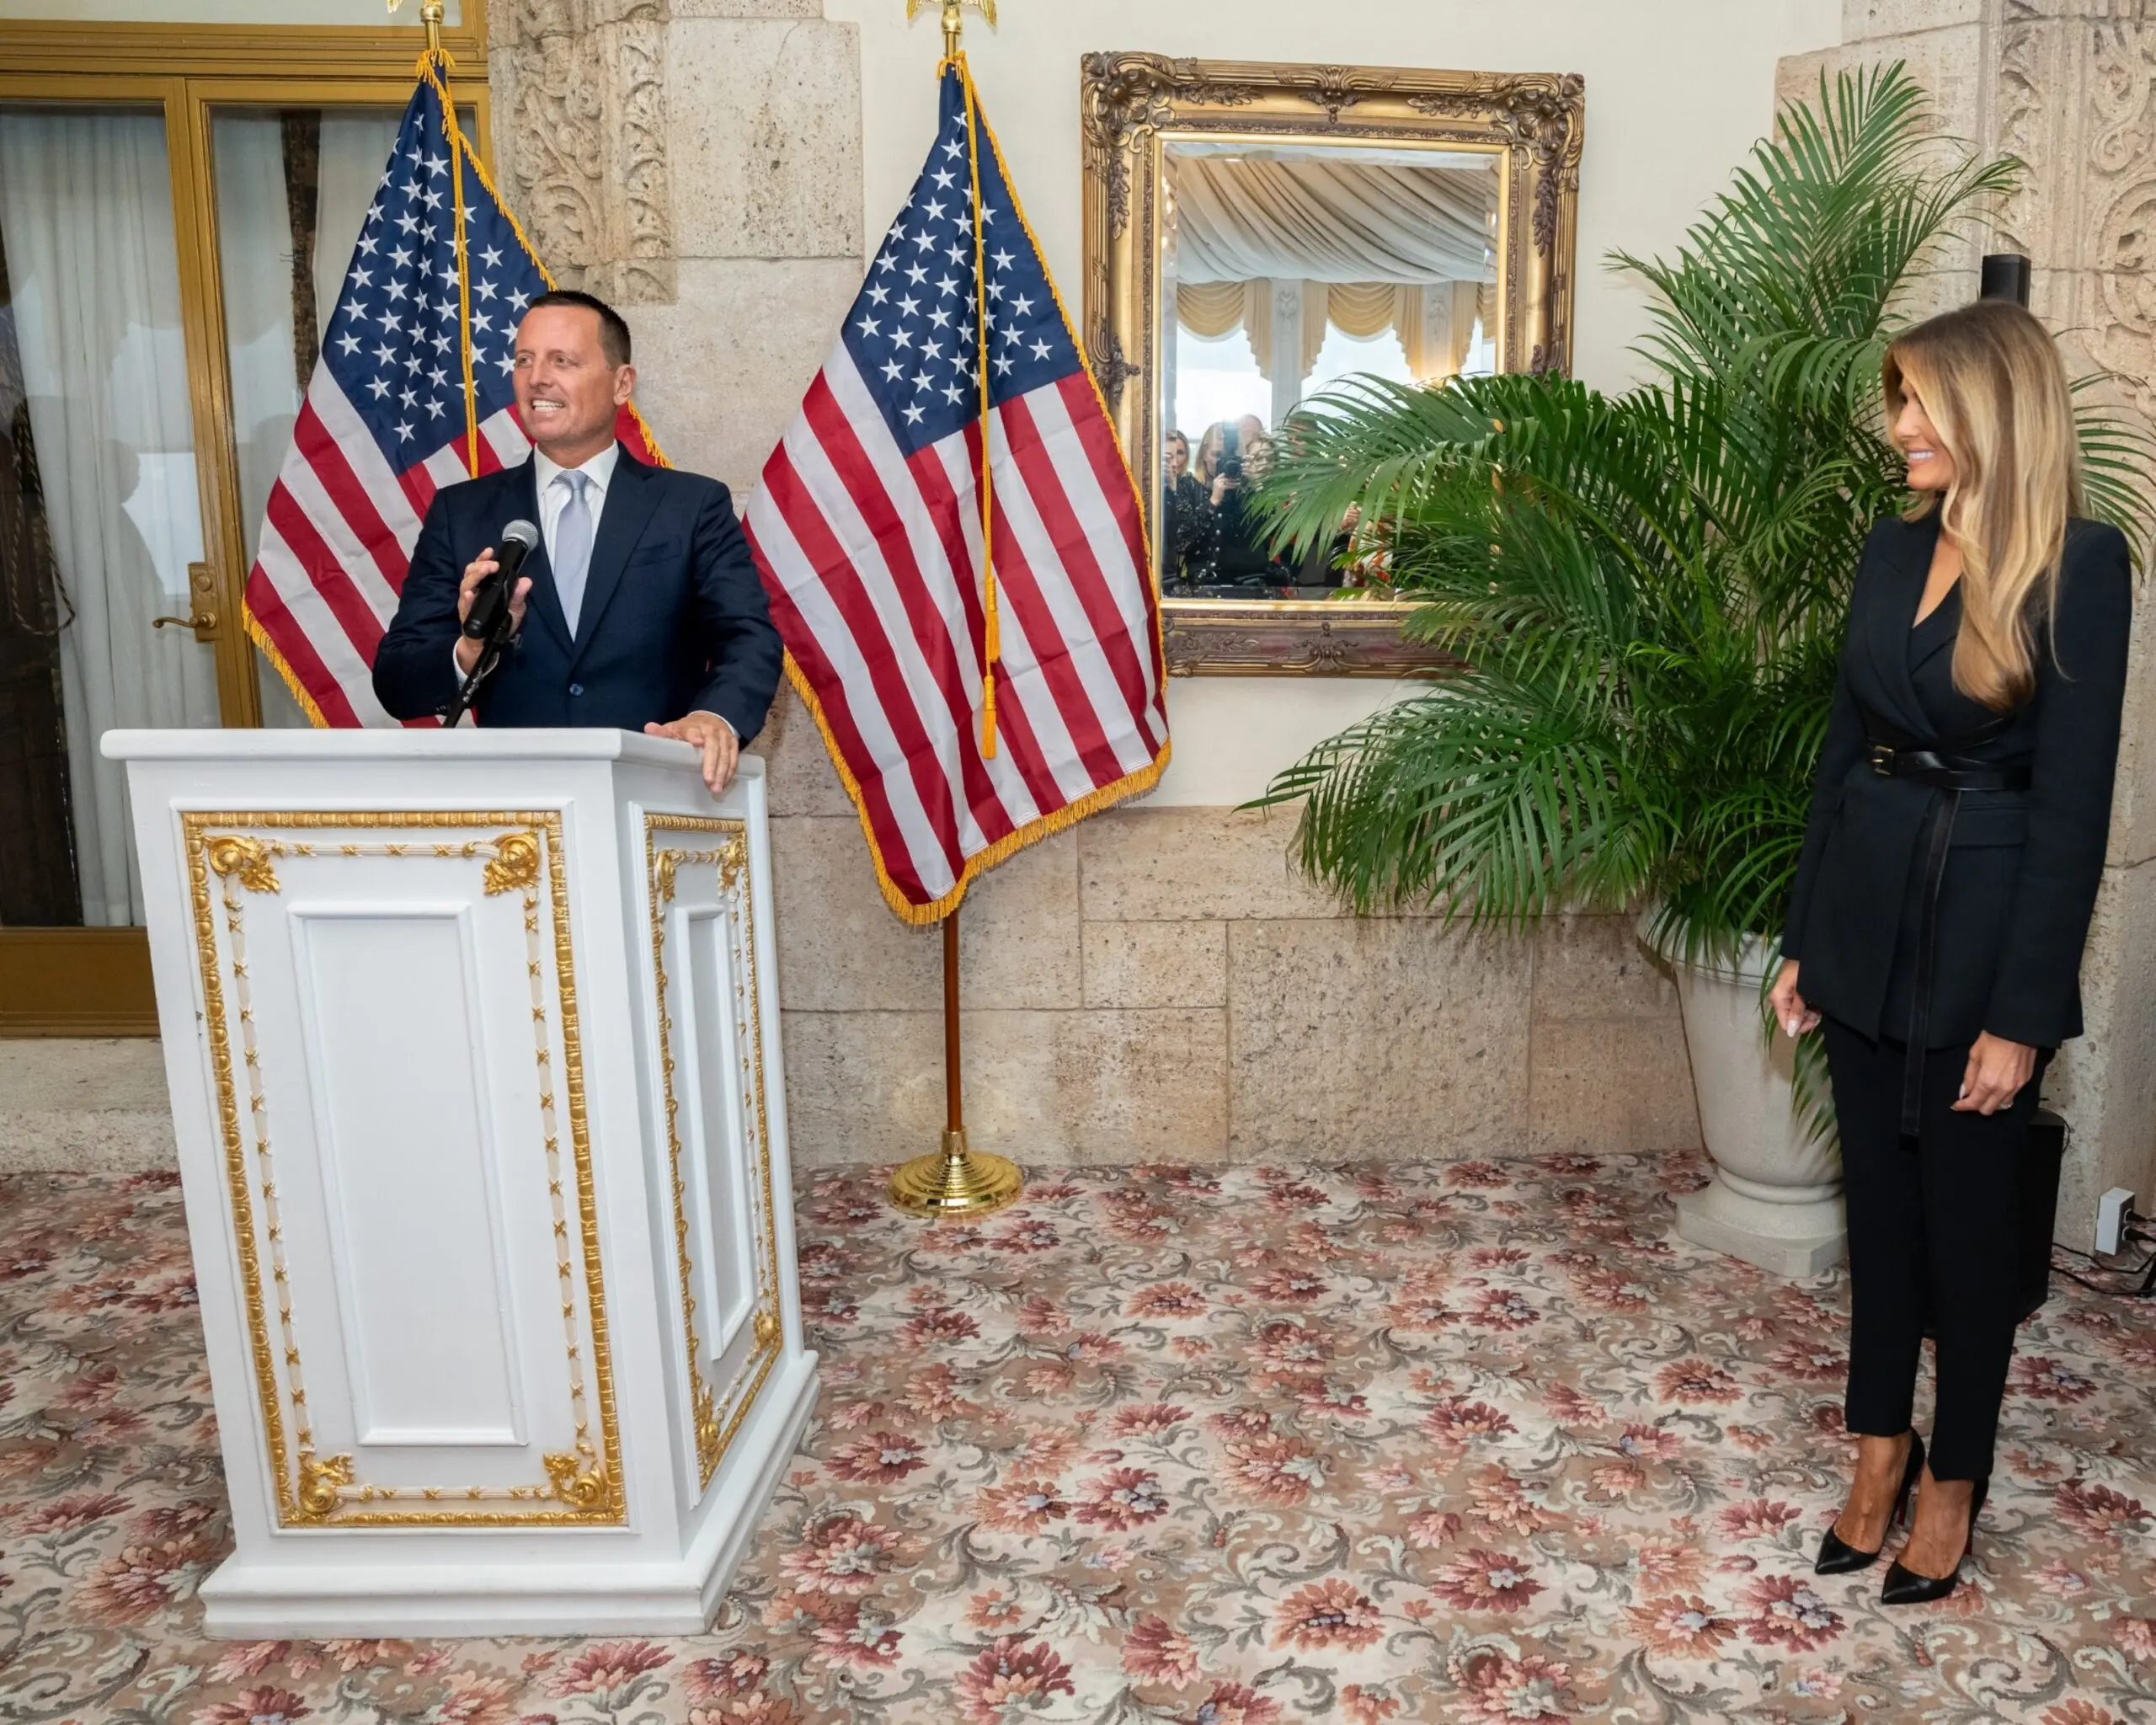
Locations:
column 1130, row 103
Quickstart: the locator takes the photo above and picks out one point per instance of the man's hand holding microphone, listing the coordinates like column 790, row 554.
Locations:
column 481, row 599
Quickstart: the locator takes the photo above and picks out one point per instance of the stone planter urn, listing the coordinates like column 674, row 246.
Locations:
column 1776, row 1196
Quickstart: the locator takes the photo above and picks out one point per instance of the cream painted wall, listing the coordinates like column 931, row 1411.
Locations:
column 1677, row 90
column 1232, row 734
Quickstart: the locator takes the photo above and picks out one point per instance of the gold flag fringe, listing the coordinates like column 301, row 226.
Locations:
column 1106, row 796
column 921, row 915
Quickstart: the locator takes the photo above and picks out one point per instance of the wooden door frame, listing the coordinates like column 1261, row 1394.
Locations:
column 96, row 982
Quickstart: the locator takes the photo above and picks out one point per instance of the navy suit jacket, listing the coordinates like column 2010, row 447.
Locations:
column 674, row 619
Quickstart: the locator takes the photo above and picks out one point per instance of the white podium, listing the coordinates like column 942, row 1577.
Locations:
column 473, row 1044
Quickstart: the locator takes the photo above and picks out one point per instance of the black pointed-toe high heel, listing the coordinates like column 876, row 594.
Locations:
column 1905, row 1587
column 1836, row 1557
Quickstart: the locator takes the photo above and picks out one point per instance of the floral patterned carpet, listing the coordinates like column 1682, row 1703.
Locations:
column 1474, row 1441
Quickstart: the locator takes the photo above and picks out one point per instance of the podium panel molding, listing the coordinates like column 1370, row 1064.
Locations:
column 717, row 1411
column 522, row 856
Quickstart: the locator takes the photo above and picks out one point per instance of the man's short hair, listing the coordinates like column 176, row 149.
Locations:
column 613, row 330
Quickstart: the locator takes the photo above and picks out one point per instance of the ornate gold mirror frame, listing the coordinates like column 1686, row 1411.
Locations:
column 1131, row 104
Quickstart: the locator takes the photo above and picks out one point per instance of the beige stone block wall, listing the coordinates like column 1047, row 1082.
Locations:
column 699, row 162
column 1154, row 985
column 1158, row 985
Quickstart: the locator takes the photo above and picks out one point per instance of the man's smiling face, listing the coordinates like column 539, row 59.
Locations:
column 566, row 392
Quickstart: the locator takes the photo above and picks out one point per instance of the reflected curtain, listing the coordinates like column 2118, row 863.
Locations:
column 1435, row 324
column 1217, row 309
column 1238, row 219
column 86, row 218
column 1450, row 313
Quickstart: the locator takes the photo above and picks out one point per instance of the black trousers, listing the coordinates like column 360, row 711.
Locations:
column 1932, row 1234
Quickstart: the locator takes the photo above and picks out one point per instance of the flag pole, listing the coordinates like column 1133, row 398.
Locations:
column 957, row 1181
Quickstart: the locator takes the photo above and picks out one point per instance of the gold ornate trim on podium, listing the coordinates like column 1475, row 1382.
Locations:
column 244, row 852
column 719, row 1410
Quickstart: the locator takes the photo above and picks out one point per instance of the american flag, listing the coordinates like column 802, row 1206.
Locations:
column 387, row 418
column 869, row 528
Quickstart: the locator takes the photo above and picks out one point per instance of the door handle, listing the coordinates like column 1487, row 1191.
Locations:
column 202, row 587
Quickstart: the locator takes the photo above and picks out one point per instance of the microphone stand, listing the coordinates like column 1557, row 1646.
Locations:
column 496, row 637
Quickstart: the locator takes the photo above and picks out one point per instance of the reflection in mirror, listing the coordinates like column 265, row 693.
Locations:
column 1254, row 234
column 1284, row 268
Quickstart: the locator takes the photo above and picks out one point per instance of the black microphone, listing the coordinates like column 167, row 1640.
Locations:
column 490, row 598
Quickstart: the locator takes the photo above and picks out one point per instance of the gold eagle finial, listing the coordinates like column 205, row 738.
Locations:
column 954, row 19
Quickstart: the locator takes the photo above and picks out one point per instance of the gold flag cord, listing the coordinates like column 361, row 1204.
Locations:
column 958, row 1180
column 992, row 644
column 434, row 66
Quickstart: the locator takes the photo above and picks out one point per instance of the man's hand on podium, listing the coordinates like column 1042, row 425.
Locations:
column 476, row 571
column 714, row 736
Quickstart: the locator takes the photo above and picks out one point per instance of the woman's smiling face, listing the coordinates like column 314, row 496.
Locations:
column 1931, row 467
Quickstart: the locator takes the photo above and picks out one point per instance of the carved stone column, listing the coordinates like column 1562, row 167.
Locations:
column 696, row 162
column 2076, row 100
column 579, row 89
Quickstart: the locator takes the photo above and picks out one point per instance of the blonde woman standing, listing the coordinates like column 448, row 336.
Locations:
column 1949, row 866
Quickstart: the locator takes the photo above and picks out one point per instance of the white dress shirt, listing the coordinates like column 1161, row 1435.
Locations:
column 597, row 472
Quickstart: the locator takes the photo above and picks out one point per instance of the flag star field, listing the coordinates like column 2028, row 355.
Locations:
column 913, row 332
column 393, row 343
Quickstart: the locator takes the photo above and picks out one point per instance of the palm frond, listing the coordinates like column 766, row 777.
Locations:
column 1647, row 589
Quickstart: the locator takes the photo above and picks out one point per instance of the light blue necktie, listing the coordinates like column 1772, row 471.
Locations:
column 572, row 557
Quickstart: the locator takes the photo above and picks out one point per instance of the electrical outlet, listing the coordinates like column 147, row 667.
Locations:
column 2113, row 1209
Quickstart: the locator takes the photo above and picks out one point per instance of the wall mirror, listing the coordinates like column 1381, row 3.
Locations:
column 1254, row 233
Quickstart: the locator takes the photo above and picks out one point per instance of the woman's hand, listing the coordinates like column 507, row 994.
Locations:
column 1219, row 488
column 1997, row 1070
column 1790, row 1013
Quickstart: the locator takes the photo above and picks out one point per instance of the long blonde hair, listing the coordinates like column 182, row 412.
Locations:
column 1990, row 379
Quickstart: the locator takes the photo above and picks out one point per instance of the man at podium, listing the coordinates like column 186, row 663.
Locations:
column 650, row 614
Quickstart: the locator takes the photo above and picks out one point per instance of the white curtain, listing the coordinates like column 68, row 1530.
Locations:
column 254, row 255
column 255, row 233
column 86, row 216
column 1435, row 323
column 356, row 143
column 1239, row 218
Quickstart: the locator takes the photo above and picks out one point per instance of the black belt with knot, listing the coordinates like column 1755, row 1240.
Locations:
column 1946, row 770
column 1947, row 773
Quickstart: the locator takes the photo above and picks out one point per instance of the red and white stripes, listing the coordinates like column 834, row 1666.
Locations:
column 873, row 563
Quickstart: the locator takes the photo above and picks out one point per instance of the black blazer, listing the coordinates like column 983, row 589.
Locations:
column 2021, row 874
column 674, row 618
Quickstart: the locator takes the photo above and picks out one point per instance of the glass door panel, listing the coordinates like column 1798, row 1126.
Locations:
column 293, row 187
column 100, row 510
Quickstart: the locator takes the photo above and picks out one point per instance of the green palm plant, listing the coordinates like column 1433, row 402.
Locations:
column 1644, row 593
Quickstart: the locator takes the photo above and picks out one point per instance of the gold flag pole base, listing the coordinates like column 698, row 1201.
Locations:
column 955, row 1181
